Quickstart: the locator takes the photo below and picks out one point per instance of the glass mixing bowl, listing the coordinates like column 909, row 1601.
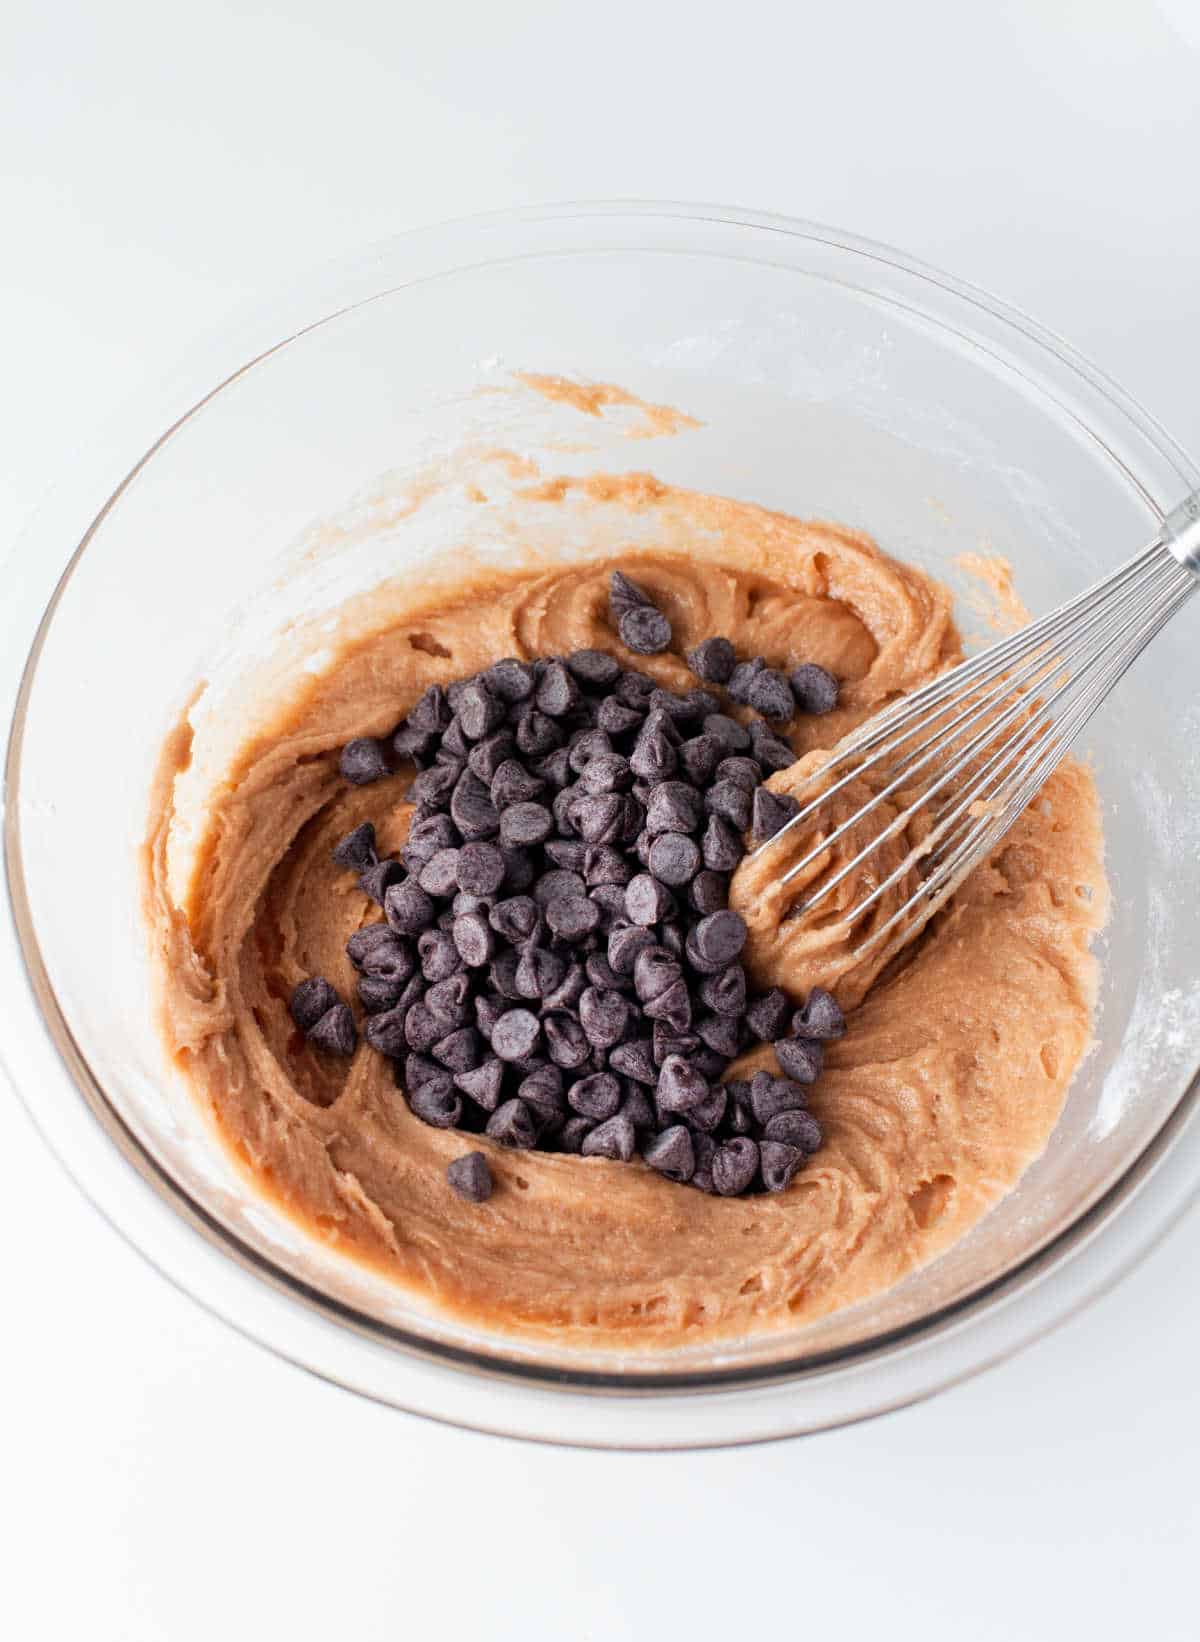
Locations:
column 216, row 526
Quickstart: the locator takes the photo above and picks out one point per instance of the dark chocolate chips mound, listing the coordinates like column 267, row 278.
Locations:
column 557, row 966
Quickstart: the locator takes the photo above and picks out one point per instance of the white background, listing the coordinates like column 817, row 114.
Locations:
column 160, row 1479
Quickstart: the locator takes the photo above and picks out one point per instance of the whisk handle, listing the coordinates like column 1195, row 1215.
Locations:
column 1181, row 532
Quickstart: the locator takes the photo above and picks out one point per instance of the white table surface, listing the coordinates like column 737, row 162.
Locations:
column 160, row 1478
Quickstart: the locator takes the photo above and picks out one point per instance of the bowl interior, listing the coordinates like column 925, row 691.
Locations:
column 826, row 385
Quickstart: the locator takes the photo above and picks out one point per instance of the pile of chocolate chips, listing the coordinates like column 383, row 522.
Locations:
column 557, row 965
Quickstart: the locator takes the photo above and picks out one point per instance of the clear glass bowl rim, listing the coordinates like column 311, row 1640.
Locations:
column 262, row 320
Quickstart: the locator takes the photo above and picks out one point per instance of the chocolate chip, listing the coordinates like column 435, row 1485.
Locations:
column 488, row 1011
column 742, row 677
column 672, row 1153
column 434, row 786
column 364, row 760
column 432, row 711
column 674, row 858
column 418, row 1069
column 438, row 954
column 515, row 1034
column 653, row 757
column 537, row 734
column 625, row 595
column 772, row 753
column 365, row 940
column 511, row 680
column 646, row 900
column 705, row 1149
column 480, row 869
column 470, row 1177
column 449, row 1001
column 408, row 742
column 624, row 944
column 335, row 1032
column 742, row 771
column 800, row 1058
column 573, row 917
column 357, row 849
column 795, row 1128
column 635, row 1060
column 600, row 973
column 585, row 746
column 778, row 1164
column 573, row 1134
column 615, row 718
column 376, row 993
column 502, row 973
column 707, row 1116
column 473, row 940
column 721, row 846
column 739, row 1115
column 597, row 1097
column 731, row 737
column 557, row 692
column 680, row 1087
column 513, row 784
column 614, row 1139
column 522, row 825
column 712, row 660
column 471, row 808
column 720, row 1033
column 539, row 971
column 637, row 1106
column 734, row 1166
column 672, row 1007
column 310, row 1000
column 766, row 1015
column 595, row 668
column 478, row 711
column 655, row 971
column 599, row 818
column 554, row 769
column 422, row 1028
column 459, row 1050
column 725, row 993
column 386, row 1032
column 769, row 1095
column 566, row 1041
column 602, row 864
column 709, row 891
column 515, row 919
column 771, row 695
column 821, row 1018
column 542, row 1092
column 558, row 886
column 407, row 908
column 437, row 1103
column 699, row 757
column 377, row 880
column 674, row 807
column 425, row 838
column 482, row 1083
column 513, row 1125
column 439, row 875
column 606, row 773
column 719, row 938
column 603, row 1016
column 815, row 690
column 730, row 802
column 671, row 937
column 455, row 746
column 771, row 812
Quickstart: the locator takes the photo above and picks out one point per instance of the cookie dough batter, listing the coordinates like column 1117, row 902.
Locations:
column 950, row 1077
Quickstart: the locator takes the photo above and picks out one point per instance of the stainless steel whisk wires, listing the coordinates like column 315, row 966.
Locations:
column 966, row 753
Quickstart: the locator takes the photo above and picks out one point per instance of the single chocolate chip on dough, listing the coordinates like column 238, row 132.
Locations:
column 310, row 1000
column 647, row 632
column 357, row 849
column 470, row 1177
column 815, row 689
column 335, row 1032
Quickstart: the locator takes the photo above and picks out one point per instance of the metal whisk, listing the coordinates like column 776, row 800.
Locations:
column 963, row 756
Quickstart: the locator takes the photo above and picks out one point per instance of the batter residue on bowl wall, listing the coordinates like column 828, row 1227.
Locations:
column 946, row 1085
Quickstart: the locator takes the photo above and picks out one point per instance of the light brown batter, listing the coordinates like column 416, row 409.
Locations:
column 948, row 1081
